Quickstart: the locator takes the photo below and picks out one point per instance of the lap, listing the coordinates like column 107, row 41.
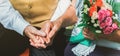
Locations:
column 56, row 49
column 103, row 51
column 68, row 51
column 11, row 43
column 49, row 51
column 99, row 51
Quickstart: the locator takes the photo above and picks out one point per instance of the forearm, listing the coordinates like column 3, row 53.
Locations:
column 69, row 17
column 10, row 18
column 115, row 36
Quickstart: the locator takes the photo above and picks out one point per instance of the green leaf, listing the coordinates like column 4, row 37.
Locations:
column 118, row 23
column 87, row 2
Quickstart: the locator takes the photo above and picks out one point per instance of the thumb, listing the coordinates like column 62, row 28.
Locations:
column 47, row 27
column 37, row 32
column 40, row 33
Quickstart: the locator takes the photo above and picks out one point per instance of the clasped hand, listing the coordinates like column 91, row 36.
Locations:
column 41, row 38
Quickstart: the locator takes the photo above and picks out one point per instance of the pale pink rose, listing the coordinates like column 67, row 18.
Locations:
column 108, row 30
column 101, row 15
column 114, row 26
column 108, row 21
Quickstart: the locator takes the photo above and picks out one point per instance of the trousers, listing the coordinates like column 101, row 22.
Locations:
column 99, row 51
column 13, row 44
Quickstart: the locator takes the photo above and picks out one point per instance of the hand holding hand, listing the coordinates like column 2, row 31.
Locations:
column 36, row 36
column 51, row 28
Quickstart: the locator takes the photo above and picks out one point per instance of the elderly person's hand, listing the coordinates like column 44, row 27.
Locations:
column 36, row 36
column 50, row 29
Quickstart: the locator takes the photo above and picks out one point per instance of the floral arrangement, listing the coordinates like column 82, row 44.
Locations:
column 99, row 17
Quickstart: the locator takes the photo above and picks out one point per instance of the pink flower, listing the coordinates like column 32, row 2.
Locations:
column 103, row 13
column 108, row 21
column 102, row 25
column 108, row 30
column 114, row 26
column 108, row 12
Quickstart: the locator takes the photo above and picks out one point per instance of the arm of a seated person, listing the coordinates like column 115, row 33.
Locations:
column 115, row 36
column 67, row 19
column 12, row 19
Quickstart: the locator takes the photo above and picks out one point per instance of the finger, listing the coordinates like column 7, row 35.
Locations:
column 33, row 44
column 33, row 30
column 47, row 40
column 51, row 34
column 47, row 27
column 41, row 45
column 32, row 37
column 85, row 30
column 37, row 45
column 39, row 32
column 49, row 44
column 85, row 33
column 89, row 37
column 41, row 40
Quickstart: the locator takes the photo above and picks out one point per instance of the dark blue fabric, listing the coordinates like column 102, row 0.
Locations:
column 103, row 51
column 99, row 51
column 68, row 51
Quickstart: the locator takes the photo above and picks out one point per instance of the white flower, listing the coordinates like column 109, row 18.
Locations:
column 92, row 21
column 115, row 17
column 95, row 25
column 88, row 23
column 98, row 31
column 95, row 15
column 85, row 8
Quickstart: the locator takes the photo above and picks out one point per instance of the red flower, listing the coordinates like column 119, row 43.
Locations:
column 99, row 3
column 92, row 9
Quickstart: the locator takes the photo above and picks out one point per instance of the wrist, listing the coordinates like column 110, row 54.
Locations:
column 25, row 30
column 59, row 22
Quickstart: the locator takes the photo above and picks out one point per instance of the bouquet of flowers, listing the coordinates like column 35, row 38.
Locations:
column 99, row 17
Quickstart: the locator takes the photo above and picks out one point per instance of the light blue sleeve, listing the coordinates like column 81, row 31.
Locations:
column 10, row 18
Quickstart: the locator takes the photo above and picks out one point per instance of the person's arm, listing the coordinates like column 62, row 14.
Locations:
column 52, row 27
column 10, row 18
column 67, row 19
column 115, row 36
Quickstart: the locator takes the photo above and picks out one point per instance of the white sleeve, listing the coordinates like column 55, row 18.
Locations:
column 10, row 18
column 61, row 8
